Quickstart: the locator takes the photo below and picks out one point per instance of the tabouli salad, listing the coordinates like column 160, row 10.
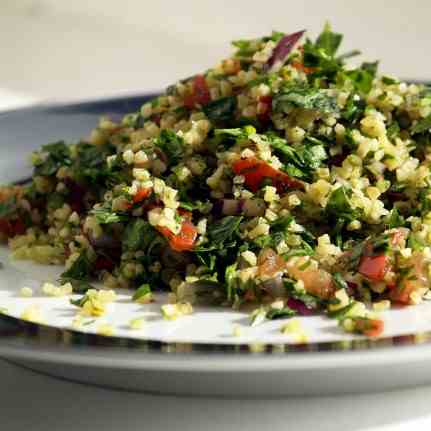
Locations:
column 281, row 179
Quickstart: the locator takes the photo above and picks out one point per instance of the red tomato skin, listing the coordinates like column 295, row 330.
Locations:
column 200, row 93
column 184, row 240
column 142, row 194
column 374, row 267
column 266, row 108
column 11, row 228
column 255, row 171
column 370, row 328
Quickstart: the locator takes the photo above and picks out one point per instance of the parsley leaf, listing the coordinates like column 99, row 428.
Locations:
column 304, row 97
column 339, row 205
column 339, row 281
column 300, row 161
column 8, row 207
column 282, row 313
column 171, row 144
column 422, row 125
column 221, row 110
column 106, row 216
column 362, row 77
column 57, row 155
column 138, row 235
column 328, row 41
column 223, row 230
column 395, row 219
column 78, row 274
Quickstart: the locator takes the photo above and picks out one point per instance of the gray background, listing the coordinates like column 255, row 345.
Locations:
column 81, row 48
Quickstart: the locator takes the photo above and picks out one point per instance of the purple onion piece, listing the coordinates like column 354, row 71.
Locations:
column 282, row 50
column 299, row 306
column 352, row 288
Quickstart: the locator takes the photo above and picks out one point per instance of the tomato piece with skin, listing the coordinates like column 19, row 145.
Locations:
column 142, row 194
column 255, row 171
column 200, row 93
column 265, row 108
column 11, row 228
column 374, row 267
column 369, row 327
column 301, row 68
column 184, row 240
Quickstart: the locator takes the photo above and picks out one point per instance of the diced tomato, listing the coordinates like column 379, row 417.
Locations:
column 142, row 194
column 401, row 293
column 369, row 327
column 156, row 119
column 265, row 108
column 200, row 93
column 184, row 240
column 374, row 267
column 11, row 228
column 270, row 263
column 185, row 213
column 249, row 295
column 299, row 66
column 255, row 171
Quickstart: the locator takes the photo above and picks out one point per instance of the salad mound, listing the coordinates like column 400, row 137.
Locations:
column 280, row 179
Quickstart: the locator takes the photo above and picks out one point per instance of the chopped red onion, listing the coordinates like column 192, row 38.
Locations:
column 299, row 306
column 282, row 50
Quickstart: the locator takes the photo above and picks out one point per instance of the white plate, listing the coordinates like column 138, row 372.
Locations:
column 196, row 353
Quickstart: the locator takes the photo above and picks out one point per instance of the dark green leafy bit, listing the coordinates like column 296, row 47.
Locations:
column 171, row 144
column 393, row 130
column 395, row 219
column 246, row 48
column 106, row 216
column 274, row 313
column 321, row 54
column 300, row 161
column 223, row 231
column 415, row 243
column 78, row 274
column 79, row 302
column 339, row 281
column 55, row 200
column 138, row 235
column 279, row 231
column 231, row 281
column 8, row 207
column 328, row 41
column 339, row 205
column 304, row 97
column 57, row 155
column 342, row 312
column 354, row 109
column 387, row 80
column 141, row 292
column 202, row 206
column 362, row 77
column 422, row 125
column 221, row 110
